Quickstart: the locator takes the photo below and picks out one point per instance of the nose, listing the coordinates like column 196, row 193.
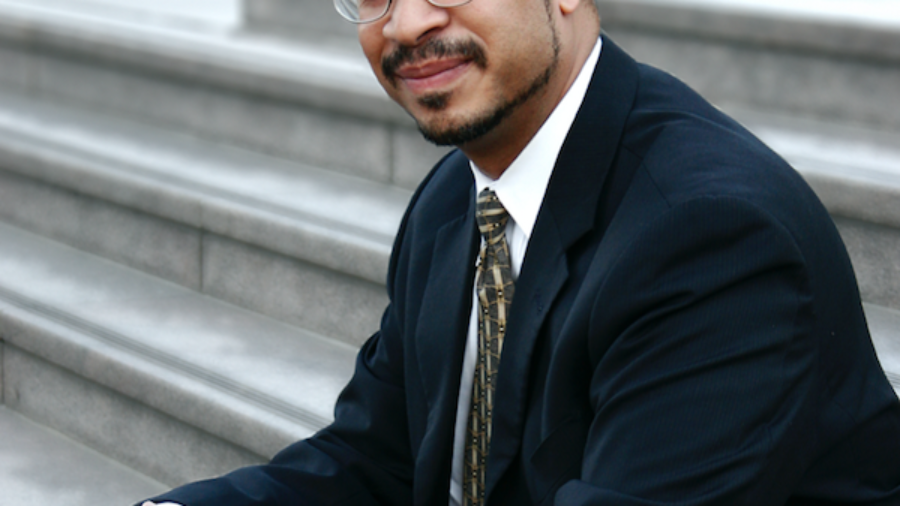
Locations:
column 411, row 22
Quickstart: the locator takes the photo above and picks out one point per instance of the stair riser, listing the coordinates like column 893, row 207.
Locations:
column 287, row 17
column 154, row 245
column 132, row 433
column 776, row 79
column 381, row 151
column 875, row 252
column 323, row 300
column 2, row 371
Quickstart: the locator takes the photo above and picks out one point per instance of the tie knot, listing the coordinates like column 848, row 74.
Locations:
column 490, row 215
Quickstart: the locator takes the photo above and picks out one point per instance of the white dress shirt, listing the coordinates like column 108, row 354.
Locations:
column 521, row 190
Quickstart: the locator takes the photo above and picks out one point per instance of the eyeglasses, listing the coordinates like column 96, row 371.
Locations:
column 366, row 11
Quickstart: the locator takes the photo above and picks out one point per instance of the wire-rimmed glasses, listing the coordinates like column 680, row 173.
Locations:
column 366, row 11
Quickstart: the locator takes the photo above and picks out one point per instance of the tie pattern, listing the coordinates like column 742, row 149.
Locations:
column 494, row 286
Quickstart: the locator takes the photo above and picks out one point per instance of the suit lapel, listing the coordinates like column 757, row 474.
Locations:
column 568, row 212
column 446, row 304
column 440, row 343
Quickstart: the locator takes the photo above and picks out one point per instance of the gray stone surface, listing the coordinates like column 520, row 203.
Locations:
column 351, row 145
column 214, row 403
column 324, row 301
column 119, row 427
column 854, row 170
column 193, row 15
column 289, row 94
column 41, row 467
column 884, row 324
column 782, row 80
column 178, row 327
column 861, row 31
column 153, row 245
column 875, row 252
column 413, row 157
column 309, row 73
column 341, row 222
column 292, row 17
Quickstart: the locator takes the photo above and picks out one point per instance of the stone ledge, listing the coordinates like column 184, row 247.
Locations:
column 132, row 433
column 242, row 377
column 40, row 466
column 327, row 77
column 855, row 170
column 283, row 206
column 743, row 22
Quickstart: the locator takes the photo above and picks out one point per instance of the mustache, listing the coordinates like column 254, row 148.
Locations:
column 433, row 48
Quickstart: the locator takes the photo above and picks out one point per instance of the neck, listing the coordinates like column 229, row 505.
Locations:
column 494, row 152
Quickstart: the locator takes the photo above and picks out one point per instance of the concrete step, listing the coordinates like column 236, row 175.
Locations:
column 790, row 56
column 170, row 382
column 310, row 102
column 41, row 466
column 295, row 242
column 196, row 15
column 299, row 20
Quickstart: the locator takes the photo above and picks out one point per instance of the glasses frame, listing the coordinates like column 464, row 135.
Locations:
column 343, row 8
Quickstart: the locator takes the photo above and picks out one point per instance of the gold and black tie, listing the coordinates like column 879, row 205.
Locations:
column 494, row 285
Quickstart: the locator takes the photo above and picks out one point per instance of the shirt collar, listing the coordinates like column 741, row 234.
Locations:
column 522, row 186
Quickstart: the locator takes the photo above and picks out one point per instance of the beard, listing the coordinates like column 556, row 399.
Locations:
column 478, row 125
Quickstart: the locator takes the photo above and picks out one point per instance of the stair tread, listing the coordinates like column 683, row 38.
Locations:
column 41, row 466
column 317, row 72
column 864, row 28
column 216, row 169
column 204, row 184
column 853, row 151
column 187, row 337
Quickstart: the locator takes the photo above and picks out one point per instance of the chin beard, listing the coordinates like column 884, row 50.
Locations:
column 461, row 134
column 478, row 126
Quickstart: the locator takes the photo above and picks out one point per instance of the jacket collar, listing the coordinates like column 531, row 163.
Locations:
column 568, row 213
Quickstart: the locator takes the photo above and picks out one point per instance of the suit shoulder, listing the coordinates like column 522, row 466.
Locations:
column 691, row 149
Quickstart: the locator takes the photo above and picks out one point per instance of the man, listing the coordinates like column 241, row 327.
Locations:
column 611, row 294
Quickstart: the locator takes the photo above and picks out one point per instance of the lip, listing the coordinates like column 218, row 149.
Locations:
column 432, row 75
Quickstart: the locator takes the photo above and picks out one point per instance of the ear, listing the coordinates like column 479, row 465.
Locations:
column 569, row 6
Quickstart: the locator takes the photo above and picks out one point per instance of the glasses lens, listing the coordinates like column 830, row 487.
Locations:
column 361, row 11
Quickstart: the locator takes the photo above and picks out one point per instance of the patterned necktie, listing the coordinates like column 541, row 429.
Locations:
column 494, row 284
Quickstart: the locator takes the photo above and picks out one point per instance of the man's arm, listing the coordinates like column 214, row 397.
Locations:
column 702, row 394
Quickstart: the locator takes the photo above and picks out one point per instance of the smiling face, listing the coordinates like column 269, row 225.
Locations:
column 468, row 72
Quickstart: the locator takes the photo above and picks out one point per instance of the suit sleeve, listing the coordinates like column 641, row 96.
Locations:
column 703, row 364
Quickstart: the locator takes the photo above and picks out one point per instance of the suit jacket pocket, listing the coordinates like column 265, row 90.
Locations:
column 558, row 458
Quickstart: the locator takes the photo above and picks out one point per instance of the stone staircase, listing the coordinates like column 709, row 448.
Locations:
column 196, row 218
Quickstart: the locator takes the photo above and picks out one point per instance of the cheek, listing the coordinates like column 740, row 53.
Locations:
column 372, row 43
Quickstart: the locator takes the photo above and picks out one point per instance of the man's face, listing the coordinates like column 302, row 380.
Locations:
column 461, row 72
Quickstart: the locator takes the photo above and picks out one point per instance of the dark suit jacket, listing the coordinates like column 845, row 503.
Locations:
column 686, row 330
